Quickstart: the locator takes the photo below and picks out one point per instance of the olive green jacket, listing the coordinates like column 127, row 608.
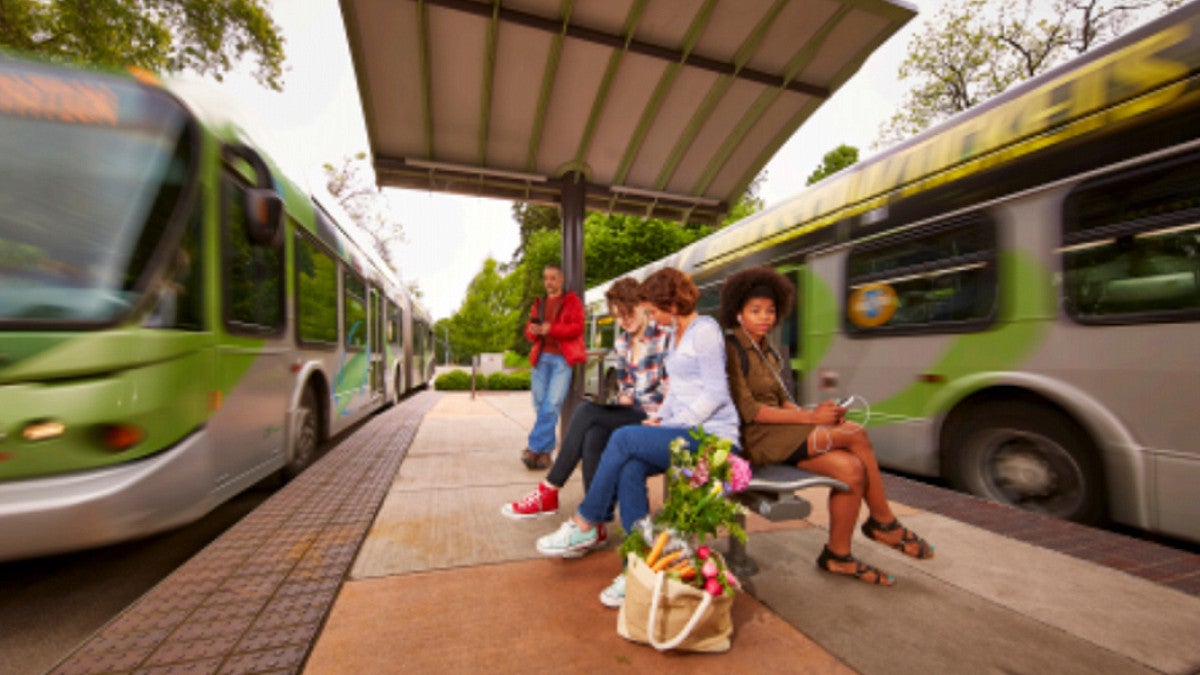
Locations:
column 761, row 443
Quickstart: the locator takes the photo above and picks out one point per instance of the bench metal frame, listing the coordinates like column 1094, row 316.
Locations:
column 771, row 494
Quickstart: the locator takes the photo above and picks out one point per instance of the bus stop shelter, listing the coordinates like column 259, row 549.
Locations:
column 657, row 108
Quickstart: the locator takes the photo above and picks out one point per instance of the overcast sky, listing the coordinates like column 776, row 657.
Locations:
column 318, row 119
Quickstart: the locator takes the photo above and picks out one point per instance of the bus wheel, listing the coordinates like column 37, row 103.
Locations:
column 612, row 388
column 1028, row 456
column 308, row 436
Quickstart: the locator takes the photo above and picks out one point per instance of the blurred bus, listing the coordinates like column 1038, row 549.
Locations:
column 177, row 320
column 1016, row 292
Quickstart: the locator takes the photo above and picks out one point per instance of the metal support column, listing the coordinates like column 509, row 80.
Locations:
column 572, row 194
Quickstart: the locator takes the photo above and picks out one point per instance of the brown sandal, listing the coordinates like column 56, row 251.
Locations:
column 861, row 569
column 924, row 549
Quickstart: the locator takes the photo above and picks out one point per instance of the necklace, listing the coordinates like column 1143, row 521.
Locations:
column 779, row 380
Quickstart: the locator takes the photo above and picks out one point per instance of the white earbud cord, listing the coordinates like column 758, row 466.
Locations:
column 828, row 431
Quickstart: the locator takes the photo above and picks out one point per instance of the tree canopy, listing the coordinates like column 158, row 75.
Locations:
column 834, row 161
column 613, row 244
column 971, row 50
column 352, row 184
column 488, row 319
column 209, row 37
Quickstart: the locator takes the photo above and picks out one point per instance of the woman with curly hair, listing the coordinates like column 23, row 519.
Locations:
column 818, row 440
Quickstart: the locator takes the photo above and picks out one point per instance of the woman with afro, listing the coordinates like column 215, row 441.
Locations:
column 819, row 440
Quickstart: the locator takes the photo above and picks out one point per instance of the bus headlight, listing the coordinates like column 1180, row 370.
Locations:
column 43, row 430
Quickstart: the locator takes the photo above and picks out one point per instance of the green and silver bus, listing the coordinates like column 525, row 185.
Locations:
column 1016, row 292
column 177, row 319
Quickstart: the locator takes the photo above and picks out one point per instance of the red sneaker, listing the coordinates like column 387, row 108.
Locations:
column 543, row 501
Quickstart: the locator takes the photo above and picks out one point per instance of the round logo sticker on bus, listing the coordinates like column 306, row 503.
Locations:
column 871, row 305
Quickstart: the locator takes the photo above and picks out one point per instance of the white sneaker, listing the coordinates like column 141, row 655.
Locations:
column 568, row 541
column 614, row 595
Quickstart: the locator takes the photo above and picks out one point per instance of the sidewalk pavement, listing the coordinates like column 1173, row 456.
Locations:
column 389, row 555
column 443, row 583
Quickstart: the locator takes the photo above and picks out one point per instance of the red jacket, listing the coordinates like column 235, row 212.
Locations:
column 566, row 329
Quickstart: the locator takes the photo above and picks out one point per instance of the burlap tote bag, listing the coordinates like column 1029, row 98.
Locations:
column 668, row 614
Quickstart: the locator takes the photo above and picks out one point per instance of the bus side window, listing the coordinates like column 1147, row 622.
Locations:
column 253, row 274
column 354, row 315
column 316, row 293
column 941, row 279
column 1131, row 245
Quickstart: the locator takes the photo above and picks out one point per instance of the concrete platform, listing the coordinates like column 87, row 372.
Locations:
column 390, row 555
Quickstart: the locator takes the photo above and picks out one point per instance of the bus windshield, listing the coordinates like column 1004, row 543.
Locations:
column 92, row 170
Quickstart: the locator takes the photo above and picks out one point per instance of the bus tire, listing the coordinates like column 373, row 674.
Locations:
column 308, row 436
column 1027, row 455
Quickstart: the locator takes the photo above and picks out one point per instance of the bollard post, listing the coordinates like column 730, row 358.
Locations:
column 474, row 365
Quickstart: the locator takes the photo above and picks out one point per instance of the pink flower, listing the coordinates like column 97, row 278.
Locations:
column 709, row 569
column 703, row 552
column 739, row 474
column 731, row 580
column 713, row 587
column 700, row 474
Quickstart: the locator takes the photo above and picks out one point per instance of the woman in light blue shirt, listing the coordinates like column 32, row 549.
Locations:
column 698, row 395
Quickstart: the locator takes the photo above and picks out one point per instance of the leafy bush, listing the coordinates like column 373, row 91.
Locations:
column 516, row 381
column 458, row 380
column 515, row 360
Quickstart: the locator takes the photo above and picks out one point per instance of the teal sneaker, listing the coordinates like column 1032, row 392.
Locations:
column 568, row 541
column 614, row 595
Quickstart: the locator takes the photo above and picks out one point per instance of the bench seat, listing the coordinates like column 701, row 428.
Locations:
column 771, row 494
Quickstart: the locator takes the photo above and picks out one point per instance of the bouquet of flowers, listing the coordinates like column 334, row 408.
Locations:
column 697, row 507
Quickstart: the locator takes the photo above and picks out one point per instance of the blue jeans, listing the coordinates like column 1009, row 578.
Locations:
column 549, row 382
column 633, row 454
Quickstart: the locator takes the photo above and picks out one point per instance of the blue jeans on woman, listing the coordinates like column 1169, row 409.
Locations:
column 633, row 454
column 549, row 382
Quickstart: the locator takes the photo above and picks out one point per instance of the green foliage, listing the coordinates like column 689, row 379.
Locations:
column 834, row 161
column 972, row 50
column 208, row 37
column 515, row 360
column 458, row 380
column 516, row 381
column 488, row 319
column 699, row 485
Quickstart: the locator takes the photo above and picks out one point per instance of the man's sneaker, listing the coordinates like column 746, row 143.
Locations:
column 543, row 501
column 614, row 595
column 527, row 458
column 601, row 540
column 568, row 541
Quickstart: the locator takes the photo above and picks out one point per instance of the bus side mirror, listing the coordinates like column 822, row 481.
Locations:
column 263, row 206
column 264, row 217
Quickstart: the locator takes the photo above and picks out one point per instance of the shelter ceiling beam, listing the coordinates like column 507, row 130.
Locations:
column 556, row 27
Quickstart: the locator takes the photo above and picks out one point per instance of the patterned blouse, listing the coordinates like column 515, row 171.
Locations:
column 645, row 381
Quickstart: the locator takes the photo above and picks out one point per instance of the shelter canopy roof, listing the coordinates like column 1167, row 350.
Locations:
column 666, row 108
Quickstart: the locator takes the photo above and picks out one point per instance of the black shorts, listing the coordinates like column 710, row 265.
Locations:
column 800, row 454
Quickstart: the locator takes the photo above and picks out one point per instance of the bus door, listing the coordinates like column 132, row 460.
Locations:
column 791, row 338
column 378, row 348
column 253, row 379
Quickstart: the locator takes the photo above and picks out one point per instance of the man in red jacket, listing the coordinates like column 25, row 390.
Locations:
column 556, row 330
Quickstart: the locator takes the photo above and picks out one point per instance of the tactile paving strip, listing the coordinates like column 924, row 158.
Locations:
column 254, row 600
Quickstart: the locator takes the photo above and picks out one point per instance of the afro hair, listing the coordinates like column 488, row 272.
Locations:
column 750, row 283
